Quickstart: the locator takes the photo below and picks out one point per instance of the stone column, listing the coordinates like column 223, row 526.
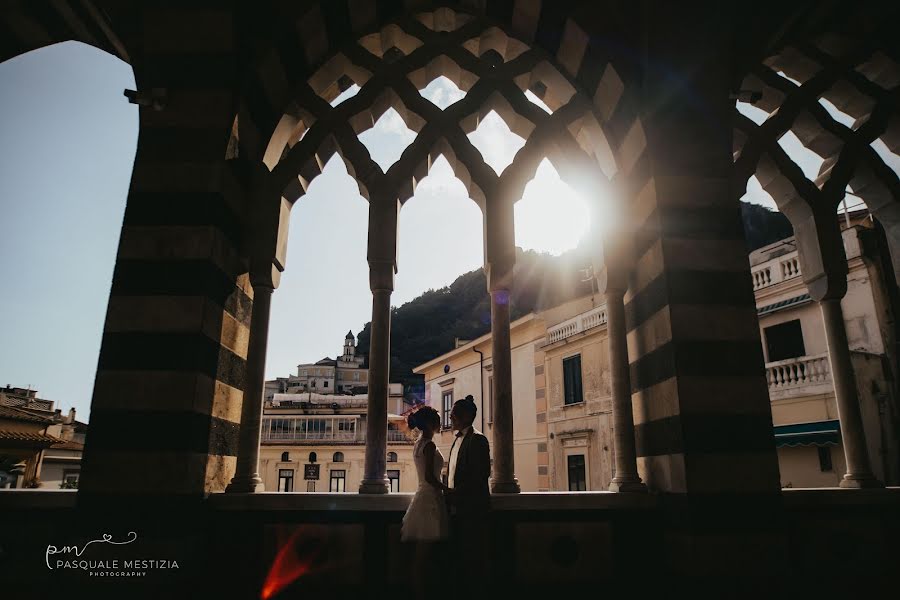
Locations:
column 504, row 477
column 375, row 478
column 246, row 477
column 823, row 264
column 500, row 259
column 859, row 471
column 382, row 252
column 627, row 478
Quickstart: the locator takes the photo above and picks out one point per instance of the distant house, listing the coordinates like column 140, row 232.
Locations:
column 343, row 375
column 39, row 447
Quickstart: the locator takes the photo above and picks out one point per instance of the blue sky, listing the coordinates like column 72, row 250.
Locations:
column 66, row 153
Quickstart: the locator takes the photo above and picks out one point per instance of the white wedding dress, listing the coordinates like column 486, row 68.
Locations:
column 426, row 518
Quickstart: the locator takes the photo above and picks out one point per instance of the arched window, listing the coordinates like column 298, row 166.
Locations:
column 312, row 457
column 392, row 457
column 285, row 457
column 338, row 457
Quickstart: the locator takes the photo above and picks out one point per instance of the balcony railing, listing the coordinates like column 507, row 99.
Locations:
column 349, row 437
column 776, row 270
column 798, row 372
column 583, row 322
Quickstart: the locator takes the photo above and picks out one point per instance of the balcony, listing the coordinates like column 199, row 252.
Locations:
column 799, row 376
column 328, row 437
column 578, row 324
column 776, row 270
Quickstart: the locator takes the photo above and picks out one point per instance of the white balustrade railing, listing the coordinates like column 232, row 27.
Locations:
column 583, row 322
column 762, row 278
column 776, row 270
column 797, row 372
column 790, row 267
column 329, row 436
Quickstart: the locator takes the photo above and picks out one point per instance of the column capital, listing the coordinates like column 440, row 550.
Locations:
column 266, row 216
column 823, row 261
column 381, row 275
column 384, row 215
column 611, row 263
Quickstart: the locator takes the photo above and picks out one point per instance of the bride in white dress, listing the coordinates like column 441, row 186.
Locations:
column 426, row 520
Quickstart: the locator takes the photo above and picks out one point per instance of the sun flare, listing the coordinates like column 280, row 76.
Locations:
column 551, row 217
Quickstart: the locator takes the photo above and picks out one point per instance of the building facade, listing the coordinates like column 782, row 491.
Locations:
column 313, row 434
column 801, row 389
column 344, row 375
column 316, row 443
column 563, row 427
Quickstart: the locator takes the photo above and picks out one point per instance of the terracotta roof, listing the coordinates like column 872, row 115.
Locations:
column 28, row 436
column 17, row 414
column 68, row 445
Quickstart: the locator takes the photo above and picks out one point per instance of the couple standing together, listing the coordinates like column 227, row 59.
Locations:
column 458, row 510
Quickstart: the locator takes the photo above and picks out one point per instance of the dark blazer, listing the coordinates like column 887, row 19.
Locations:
column 471, row 495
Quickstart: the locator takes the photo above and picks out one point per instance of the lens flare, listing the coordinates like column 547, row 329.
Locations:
column 295, row 558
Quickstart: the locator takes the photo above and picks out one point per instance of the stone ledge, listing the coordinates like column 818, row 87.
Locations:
column 318, row 501
column 810, row 497
column 38, row 499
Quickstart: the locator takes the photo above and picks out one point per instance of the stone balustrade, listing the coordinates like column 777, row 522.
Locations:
column 577, row 324
column 776, row 270
column 798, row 372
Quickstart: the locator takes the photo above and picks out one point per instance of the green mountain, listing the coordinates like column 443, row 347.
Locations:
column 427, row 326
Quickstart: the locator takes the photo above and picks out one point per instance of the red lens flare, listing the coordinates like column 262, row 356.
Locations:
column 296, row 557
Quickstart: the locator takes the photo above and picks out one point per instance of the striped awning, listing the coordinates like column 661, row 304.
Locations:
column 795, row 301
column 819, row 433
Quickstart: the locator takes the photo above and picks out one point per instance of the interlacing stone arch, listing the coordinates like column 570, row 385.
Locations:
column 494, row 70
column 860, row 81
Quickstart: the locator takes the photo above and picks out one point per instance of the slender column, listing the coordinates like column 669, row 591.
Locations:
column 859, row 471
column 504, row 479
column 375, row 476
column 246, row 477
column 627, row 478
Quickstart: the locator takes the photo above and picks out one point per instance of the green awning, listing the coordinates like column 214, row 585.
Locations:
column 819, row 433
column 795, row 301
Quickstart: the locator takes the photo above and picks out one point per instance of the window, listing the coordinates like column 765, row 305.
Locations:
column 577, row 481
column 312, row 457
column 572, row 379
column 285, row 457
column 69, row 480
column 784, row 341
column 338, row 457
column 392, row 457
column 310, row 486
column 825, row 459
column 394, row 480
column 285, row 480
column 338, row 481
column 356, row 376
column 447, row 404
column 325, row 384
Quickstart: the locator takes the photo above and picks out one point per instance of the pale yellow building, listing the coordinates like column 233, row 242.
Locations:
column 316, row 443
column 467, row 369
column 804, row 411
column 563, row 424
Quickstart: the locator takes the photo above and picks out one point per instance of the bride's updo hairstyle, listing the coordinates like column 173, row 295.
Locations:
column 425, row 416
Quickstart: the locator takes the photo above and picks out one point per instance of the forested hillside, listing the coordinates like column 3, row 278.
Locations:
column 427, row 326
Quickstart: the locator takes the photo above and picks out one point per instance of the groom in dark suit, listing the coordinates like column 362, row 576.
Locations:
column 469, row 498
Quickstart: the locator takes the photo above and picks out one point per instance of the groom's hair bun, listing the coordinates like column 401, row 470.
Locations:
column 468, row 405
